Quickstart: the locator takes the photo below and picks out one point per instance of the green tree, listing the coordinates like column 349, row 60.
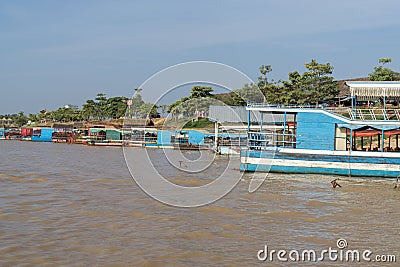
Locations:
column 272, row 91
column 381, row 73
column 177, row 106
column 137, row 102
column 116, row 107
column 263, row 80
column 385, row 60
column 138, row 90
column 319, row 85
column 201, row 91
column 20, row 119
column 312, row 87
column 33, row 117
column 294, row 89
column 66, row 114
column 248, row 93
column 230, row 99
column 101, row 106
column 187, row 105
column 95, row 109
column 148, row 110
column 42, row 115
column 89, row 110
column 164, row 108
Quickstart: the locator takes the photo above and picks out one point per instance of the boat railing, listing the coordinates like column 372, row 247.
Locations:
column 357, row 113
column 262, row 140
column 284, row 105
column 232, row 143
column 374, row 114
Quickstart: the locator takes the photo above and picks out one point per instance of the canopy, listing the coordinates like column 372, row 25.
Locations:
column 377, row 127
column 368, row 133
column 374, row 89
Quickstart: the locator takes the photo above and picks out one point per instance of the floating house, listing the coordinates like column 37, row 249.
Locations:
column 140, row 137
column 230, row 128
column 26, row 134
column 155, row 138
column 355, row 141
column 104, row 137
column 42, row 134
column 2, row 133
column 63, row 134
column 12, row 134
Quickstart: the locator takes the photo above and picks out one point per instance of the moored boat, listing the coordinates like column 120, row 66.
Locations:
column 323, row 140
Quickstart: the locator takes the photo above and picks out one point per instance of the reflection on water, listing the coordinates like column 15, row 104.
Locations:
column 73, row 205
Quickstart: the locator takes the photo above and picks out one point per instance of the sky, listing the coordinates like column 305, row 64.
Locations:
column 54, row 53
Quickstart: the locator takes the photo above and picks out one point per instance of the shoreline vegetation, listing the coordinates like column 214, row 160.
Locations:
column 315, row 86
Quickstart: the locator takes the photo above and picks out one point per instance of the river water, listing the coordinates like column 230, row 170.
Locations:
column 73, row 205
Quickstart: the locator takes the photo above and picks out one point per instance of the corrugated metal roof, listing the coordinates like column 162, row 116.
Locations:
column 238, row 114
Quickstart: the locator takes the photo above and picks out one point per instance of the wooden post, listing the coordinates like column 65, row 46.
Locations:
column 351, row 140
column 370, row 143
column 379, row 141
column 216, row 136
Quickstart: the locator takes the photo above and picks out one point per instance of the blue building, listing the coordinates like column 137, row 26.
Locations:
column 42, row 134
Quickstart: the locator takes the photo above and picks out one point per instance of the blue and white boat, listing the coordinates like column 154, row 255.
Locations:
column 325, row 141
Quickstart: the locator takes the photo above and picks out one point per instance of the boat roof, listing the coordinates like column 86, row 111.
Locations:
column 379, row 124
column 374, row 89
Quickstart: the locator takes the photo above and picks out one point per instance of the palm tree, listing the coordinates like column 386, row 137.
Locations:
column 164, row 109
column 138, row 90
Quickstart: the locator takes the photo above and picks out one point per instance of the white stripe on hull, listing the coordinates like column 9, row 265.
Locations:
column 321, row 164
column 339, row 153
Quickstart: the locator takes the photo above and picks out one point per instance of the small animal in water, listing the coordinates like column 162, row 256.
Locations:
column 397, row 185
column 335, row 183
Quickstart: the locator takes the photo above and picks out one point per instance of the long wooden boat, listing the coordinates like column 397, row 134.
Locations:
column 323, row 141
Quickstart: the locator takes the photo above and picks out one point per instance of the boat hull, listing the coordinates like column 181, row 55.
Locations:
column 364, row 164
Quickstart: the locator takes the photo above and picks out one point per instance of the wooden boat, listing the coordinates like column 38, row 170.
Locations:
column 320, row 140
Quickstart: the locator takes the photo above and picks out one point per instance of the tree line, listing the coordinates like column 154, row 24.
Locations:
column 314, row 86
column 100, row 108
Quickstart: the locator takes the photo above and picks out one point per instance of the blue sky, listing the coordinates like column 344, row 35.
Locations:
column 54, row 53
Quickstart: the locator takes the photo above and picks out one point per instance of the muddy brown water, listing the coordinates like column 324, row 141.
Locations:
column 73, row 205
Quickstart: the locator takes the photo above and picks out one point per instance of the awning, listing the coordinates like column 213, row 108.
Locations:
column 392, row 132
column 376, row 127
column 368, row 90
column 368, row 133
